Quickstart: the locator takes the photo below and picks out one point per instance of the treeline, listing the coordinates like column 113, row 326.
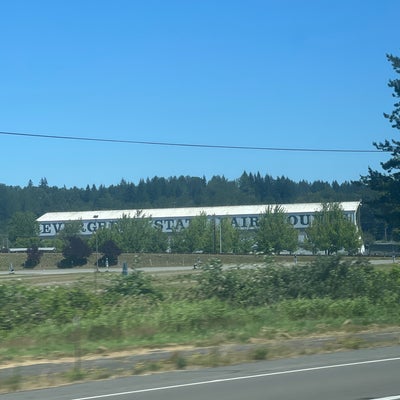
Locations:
column 182, row 191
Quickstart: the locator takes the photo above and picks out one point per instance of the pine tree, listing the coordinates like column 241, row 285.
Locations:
column 387, row 183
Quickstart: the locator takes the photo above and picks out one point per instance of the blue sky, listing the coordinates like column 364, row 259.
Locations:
column 271, row 73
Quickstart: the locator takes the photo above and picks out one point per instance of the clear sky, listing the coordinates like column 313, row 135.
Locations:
column 260, row 73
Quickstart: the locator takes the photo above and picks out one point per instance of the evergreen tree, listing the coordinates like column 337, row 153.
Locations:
column 387, row 183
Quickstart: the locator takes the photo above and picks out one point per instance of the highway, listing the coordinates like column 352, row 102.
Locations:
column 352, row 375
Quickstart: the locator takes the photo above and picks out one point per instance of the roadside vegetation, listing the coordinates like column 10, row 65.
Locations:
column 205, row 307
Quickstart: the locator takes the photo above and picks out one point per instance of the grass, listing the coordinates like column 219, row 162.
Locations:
column 12, row 383
column 122, row 330
column 179, row 359
column 137, row 325
column 50, row 260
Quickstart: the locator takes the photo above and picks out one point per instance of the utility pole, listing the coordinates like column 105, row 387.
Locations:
column 97, row 255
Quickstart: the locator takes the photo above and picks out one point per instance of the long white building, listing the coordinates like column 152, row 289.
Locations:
column 242, row 217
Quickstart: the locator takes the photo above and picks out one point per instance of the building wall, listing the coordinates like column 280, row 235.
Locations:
column 52, row 223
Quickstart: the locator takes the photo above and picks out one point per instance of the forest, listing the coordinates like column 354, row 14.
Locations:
column 186, row 191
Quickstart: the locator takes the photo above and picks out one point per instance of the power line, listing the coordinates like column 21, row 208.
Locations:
column 198, row 145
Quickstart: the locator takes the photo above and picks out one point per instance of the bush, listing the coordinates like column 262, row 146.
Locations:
column 134, row 284
column 75, row 251
column 325, row 308
column 33, row 257
column 178, row 360
column 259, row 353
column 25, row 306
column 326, row 277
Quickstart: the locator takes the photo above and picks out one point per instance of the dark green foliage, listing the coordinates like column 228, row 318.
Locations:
column 23, row 225
column 136, row 283
column 33, row 257
column 75, row 252
column 334, row 278
column 211, row 281
column 25, row 306
column 62, row 305
column 18, row 305
column 327, row 277
column 386, row 184
column 110, row 252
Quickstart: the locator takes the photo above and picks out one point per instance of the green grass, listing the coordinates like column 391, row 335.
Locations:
column 177, row 319
column 177, row 323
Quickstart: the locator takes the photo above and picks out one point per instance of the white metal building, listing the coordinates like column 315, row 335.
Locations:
column 243, row 217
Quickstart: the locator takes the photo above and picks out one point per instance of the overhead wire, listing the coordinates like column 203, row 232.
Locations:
column 198, row 145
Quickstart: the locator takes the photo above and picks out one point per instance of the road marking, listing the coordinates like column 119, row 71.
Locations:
column 238, row 378
column 389, row 398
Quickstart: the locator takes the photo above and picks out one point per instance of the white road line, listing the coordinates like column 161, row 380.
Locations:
column 238, row 378
column 389, row 398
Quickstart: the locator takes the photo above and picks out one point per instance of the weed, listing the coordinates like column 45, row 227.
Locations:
column 178, row 360
column 215, row 358
column 352, row 343
column 12, row 383
column 75, row 374
column 139, row 368
column 154, row 366
column 259, row 353
column 102, row 374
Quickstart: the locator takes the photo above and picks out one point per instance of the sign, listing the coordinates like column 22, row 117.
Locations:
column 168, row 225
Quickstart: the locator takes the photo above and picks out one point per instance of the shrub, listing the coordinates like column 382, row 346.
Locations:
column 134, row 284
column 325, row 308
column 33, row 257
column 178, row 360
column 326, row 277
column 259, row 353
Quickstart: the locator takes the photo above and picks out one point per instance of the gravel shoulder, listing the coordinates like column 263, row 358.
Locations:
column 277, row 348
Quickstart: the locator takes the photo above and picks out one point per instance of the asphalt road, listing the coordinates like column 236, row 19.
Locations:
column 61, row 271
column 355, row 375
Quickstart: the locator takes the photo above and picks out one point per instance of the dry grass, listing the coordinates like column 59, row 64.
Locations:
column 179, row 358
